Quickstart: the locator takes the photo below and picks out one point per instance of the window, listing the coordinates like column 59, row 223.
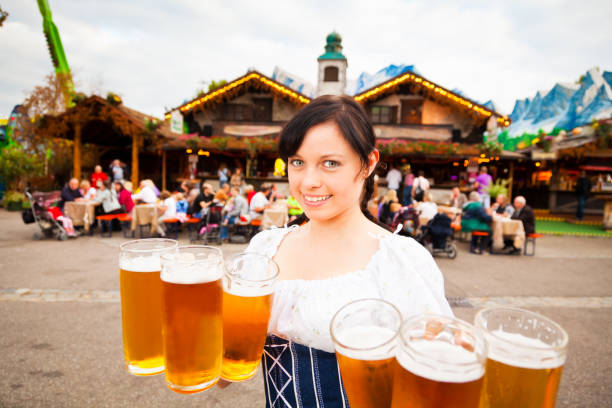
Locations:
column 233, row 111
column 411, row 111
column 383, row 114
column 330, row 74
column 262, row 109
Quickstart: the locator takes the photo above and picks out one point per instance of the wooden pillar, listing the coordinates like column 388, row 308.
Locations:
column 163, row 170
column 511, row 175
column 76, row 159
column 135, row 147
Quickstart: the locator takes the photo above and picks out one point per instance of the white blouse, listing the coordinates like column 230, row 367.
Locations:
column 401, row 272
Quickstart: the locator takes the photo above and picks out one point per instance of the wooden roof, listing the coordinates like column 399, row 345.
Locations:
column 231, row 90
column 433, row 91
column 103, row 123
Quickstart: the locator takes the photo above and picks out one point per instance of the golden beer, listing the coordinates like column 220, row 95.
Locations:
column 525, row 360
column 141, row 304
column 248, row 286
column 245, row 324
column 440, row 364
column 364, row 333
column 192, row 322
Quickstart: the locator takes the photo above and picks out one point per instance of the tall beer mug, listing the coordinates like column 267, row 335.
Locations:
column 440, row 364
column 248, row 285
column 364, row 333
column 139, row 269
column 192, row 322
column 526, row 356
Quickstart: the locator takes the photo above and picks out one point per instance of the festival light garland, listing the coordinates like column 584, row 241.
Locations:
column 279, row 88
column 503, row 120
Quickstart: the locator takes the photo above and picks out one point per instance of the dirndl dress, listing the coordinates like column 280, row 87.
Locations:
column 299, row 364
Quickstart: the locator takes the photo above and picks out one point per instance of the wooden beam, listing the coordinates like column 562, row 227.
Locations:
column 76, row 155
column 163, row 170
column 511, row 171
column 135, row 147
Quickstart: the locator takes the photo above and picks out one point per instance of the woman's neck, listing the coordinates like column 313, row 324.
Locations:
column 348, row 224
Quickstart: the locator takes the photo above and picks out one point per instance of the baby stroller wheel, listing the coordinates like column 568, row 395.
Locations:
column 61, row 235
column 451, row 251
column 37, row 236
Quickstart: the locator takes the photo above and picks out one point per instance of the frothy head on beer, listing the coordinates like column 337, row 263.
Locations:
column 250, row 274
column 442, row 349
column 192, row 264
column 143, row 255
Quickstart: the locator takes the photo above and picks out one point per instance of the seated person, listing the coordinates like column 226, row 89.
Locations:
column 98, row 175
column 87, row 190
column 223, row 194
column 123, row 196
column 524, row 213
column 204, row 200
column 146, row 194
column 502, row 206
column 259, row 202
column 427, row 208
column 167, row 208
column 249, row 190
column 239, row 208
column 106, row 200
column 181, row 203
column 457, row 198
column 475, row 218
column 70, row 192
column 294, row 208
column 386, row 213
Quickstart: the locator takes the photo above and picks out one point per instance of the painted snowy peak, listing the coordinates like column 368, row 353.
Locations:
column 565, row 106
column 366, row 81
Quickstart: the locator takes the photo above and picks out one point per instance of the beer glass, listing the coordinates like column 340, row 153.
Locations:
column 440, row 363
column 139, row 269
column 364, row 333
column 526, row 356
column 192, row 322
column 248, row 285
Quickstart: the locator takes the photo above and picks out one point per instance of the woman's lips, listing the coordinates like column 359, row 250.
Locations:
column 316, row 200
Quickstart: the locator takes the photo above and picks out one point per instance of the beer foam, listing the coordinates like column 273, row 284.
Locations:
column 366, row 337
column 470, row 369
column 186, row 269
column 521, row 351
column 140, row 263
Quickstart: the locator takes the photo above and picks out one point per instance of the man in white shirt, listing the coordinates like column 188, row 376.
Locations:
column 259, row 202
column 146, row 195
column 420, row 187
column 394, row 178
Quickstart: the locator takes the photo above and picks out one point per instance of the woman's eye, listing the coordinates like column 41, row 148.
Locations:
column 296, row 162
column 331, row 164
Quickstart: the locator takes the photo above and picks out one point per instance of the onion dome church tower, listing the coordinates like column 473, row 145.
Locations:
column 332, row 67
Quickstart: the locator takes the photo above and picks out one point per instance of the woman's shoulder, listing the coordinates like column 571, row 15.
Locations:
column 267, row 241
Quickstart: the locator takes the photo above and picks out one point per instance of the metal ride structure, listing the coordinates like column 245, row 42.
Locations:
column 56, row 50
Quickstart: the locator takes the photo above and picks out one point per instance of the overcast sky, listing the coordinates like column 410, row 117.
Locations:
column 156, row 54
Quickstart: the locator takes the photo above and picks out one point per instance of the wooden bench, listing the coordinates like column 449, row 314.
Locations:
column 531, row 238
column 477, row 236
column 192, row 226
column 172, row 225
column 125, row 220
column 106, row 220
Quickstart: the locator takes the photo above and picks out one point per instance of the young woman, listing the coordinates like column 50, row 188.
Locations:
column 341, row 254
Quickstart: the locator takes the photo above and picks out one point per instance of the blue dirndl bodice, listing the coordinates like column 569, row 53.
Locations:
column 297, row 376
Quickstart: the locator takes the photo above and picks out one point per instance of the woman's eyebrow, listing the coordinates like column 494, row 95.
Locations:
column 328, row 155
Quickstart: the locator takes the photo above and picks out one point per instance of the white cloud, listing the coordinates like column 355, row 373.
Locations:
column 156, row 53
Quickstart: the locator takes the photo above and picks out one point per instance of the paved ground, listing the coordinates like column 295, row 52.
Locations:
column 60, row 319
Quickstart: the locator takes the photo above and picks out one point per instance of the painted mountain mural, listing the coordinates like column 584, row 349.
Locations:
column 565, row 106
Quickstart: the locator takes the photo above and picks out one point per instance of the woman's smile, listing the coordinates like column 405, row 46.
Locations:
column 315, row 200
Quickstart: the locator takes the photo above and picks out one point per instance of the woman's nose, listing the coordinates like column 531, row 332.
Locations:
column 312, row 178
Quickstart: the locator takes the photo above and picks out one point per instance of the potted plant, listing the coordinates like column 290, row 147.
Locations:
column 14, row 201
column 499, row 186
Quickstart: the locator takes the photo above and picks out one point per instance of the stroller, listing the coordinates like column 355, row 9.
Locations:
column 437, row 235
column 39, row 213
column 211, row 230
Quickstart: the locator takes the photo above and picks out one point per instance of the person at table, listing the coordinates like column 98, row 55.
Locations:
column 106, row 200
column 98, row 175
column 260, row 202
column 408, row 180
column 123, row 196
column 203, row 201
column 457, row 198
column 70, row 192
column 339, row 255
column 427, row 208
column 475, row 218
column 222, row 195
column 237, row 180
column 182, row 205
column 386, row 211
column 270, row 191
column 502, row 206
column 238, row 209
column 190, row 191
column 524, row 213
column 87, row 191
column 145, row 195
column 167, row 208
column 249, row 190
column 293, row 208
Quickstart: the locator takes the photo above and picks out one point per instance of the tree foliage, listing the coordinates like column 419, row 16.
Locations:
column 16, row 166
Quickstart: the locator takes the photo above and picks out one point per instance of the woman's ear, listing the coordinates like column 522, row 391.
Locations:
column 373, row 159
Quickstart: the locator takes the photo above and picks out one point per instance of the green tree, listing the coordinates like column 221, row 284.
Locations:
column 16, row 166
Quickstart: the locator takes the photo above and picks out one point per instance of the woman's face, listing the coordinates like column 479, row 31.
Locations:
column 325, row 174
